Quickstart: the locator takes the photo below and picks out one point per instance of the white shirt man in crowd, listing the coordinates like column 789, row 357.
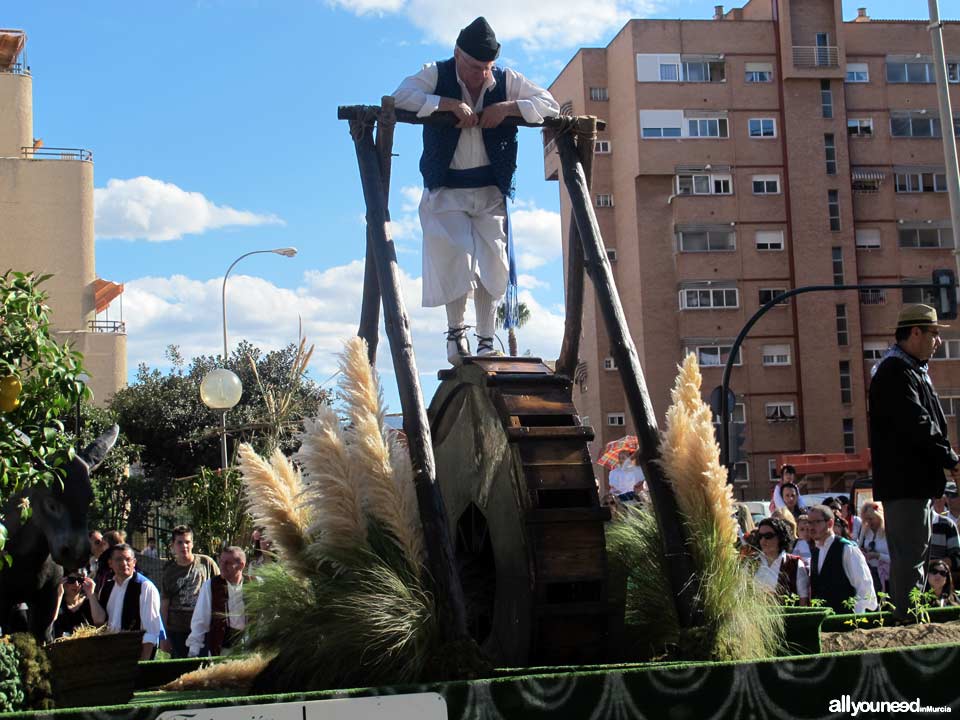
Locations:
column 838, row 570
column 128, row 601
column 219, row 616
column 625, row 477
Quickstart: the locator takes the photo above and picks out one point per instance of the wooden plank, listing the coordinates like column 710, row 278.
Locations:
column 559, row 476
column 510, row 365
column 502, row 379
column 582, row 608
column 568, row 516
column 554, row 451
column 546, row 403
column 565, row 550
column 572, row 432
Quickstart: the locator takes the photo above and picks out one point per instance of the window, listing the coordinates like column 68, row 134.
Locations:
column 843, row 337
column 830, row 151
column 616, row 419
column 910, row 72
column 925, row 237
column 868, row 239
column 612, row 255
column 860, row 127
column 703, row 71
column 833, row 209
column 599, row 94
column 741, row 472
column 849, row 446
column 874, row 350
column 713, row 355
column 738, row 414
column 768, row 294
column 704, row 184
column 708, row 127
column 846, row 383
column 953, row 72
column 762, row 127
column 772, row 470
column 769, row 239
column 779, row 411
column 709, row 298
column 776, row 355
column 604, row 200
column 609, row 363
column 858, row 73
column 924, row 295
column 921, row 125
column 837, row 257
column 873, row 296
column 601, row 147
column 707, row 240
column 661, row 123
column 666, row 67
column 950, row 405
column 914, row 182
column 758, row 72
column 826, row 99
column 669, row 72
column 766, row 184
column 949, row 350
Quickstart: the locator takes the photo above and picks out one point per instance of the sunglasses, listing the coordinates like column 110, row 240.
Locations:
column 73, row 581
column 939, row 571
column 766, row 536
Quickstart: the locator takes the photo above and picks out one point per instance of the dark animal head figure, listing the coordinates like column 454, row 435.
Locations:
column 60, row 511
column 52, row 540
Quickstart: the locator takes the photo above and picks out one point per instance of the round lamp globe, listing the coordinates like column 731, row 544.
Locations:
column 220, row 389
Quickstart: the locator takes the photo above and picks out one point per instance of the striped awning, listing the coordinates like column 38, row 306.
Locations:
column 867, row 174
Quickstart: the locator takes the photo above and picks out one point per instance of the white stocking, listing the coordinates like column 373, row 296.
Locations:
column 456, row 311
column 486, row 308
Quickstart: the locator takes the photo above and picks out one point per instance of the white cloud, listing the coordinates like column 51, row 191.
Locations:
column 557, row 24
column 150, row 209
column 536, row 233
column 184, row 311
column 529, row 282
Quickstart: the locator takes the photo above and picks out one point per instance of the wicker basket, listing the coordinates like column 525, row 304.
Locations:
column 96, row 670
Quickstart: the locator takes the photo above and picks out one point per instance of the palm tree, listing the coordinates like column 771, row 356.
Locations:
column 523, row 315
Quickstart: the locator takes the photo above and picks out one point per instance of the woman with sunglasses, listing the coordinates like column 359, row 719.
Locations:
column 777, row 571
column 74, row 608
column 940, row 583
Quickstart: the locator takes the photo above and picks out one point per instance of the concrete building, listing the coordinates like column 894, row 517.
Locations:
column 46, row 225
column 772, row 147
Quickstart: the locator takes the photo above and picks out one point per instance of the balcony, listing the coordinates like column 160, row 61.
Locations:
column 812, row 57
column 54, row 153
column 107, row 326
column 13, row 56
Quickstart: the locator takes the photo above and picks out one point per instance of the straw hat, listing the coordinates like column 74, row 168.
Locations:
column 918, row 316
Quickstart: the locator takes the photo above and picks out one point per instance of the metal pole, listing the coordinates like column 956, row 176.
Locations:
column 946, row 123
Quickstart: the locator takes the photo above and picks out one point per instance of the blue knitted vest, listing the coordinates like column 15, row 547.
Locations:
column 440, row 143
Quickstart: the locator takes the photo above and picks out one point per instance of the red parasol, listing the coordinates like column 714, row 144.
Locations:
column 611, row 453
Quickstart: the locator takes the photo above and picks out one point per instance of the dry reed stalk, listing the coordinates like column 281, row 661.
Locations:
column 691, row 457
column 383, row 494
column 273, row 497
column 236, row 674
column 331, row 493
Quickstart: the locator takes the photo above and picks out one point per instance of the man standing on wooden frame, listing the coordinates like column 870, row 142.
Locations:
column 468, row 174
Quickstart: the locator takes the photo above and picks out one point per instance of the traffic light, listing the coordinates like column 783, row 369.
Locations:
column 946, row 294
column 738, row 437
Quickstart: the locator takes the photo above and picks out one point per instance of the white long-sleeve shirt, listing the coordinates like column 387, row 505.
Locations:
column 416, row 95
column 203, row 613
column 857, row 571
column 768, row 575
column 150, row 620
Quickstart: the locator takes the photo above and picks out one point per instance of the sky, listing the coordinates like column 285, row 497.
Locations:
column 214, row 129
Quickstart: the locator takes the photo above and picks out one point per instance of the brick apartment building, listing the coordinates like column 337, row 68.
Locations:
column 772, row 147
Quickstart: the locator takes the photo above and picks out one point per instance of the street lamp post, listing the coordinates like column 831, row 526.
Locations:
column 221, row 389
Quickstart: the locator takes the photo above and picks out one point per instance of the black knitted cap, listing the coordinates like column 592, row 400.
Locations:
column 479, row 41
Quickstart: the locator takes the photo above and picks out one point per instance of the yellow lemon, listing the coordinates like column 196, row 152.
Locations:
column 10, row 387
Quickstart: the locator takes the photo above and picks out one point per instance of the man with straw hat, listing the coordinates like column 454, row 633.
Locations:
column 910, row 446
column 468, row 174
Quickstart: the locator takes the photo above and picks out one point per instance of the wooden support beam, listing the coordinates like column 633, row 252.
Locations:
column 580, row 123
column 369, row 328
column 440, row 559
column 573, row 324
column 683, row 580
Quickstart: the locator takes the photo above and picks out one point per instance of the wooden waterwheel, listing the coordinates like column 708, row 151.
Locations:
column 521, row 501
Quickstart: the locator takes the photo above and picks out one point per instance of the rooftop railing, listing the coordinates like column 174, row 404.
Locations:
column 107, row 326
column 16, row 69
column 816, row 56
column 55, row 153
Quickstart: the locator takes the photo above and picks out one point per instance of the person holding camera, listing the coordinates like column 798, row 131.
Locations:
column 74, row 610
